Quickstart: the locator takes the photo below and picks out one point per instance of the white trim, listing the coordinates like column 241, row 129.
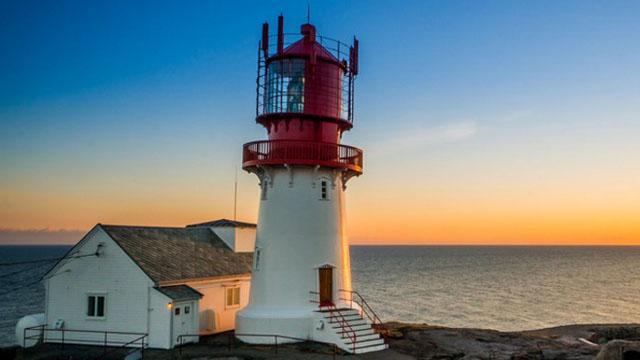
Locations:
column 227, row 289
column 96, row 294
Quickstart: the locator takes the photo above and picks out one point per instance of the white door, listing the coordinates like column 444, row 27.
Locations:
column 183, row 323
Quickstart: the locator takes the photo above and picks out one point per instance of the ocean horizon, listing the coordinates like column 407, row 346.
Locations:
column 501, row 287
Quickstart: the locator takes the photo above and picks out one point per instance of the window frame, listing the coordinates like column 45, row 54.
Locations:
column 96, row 302
column 279, row 95
column 324, row 190
column 227, row 289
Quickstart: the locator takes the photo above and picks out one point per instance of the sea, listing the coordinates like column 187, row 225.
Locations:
column 499, row 287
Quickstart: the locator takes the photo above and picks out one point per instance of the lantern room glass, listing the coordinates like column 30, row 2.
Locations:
column 285, row 86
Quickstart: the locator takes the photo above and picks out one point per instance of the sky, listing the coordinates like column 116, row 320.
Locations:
column 482, row 122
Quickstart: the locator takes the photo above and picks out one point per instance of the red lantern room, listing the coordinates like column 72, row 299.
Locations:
column 305, row 101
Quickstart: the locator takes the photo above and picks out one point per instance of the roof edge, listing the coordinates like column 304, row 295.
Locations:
column 224, row 223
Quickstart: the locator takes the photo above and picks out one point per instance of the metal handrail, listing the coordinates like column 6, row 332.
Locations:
column 366, row 308
column 344, row 326
column 181, row 340
column 342, row 321
column 275, row 339
column 43, row 329
column 142, row 346
column 339, row 50
column 298, row 152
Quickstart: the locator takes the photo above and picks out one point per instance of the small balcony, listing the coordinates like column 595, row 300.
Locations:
column 292, row 152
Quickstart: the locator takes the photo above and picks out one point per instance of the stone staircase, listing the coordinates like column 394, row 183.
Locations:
column 355, row 333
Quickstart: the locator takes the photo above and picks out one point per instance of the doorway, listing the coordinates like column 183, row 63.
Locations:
column 183, row 323
column 326, row 285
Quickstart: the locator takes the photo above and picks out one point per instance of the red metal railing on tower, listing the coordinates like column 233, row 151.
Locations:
column 292, row 152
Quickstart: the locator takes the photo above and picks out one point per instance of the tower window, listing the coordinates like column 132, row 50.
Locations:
column 323, row 190
column 285, row 86
column 263, row 191
column 257, row 259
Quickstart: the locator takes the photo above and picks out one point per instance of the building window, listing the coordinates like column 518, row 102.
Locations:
column 233, row 296
column 323, row 190
column 176, row 311
column 187, row 309
column 263, row 193
column 96, row 306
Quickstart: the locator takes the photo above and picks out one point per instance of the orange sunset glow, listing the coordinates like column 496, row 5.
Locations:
column 469, row 136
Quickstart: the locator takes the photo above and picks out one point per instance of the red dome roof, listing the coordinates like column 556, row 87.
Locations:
column 307, row 46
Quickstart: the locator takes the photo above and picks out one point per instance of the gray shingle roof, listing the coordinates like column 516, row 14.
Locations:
column 225, row 223
column 169, row 254
column 180, row 292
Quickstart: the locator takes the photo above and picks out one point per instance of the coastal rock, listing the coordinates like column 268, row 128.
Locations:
column 427, row 342
column 529, row 354
column 620, row 350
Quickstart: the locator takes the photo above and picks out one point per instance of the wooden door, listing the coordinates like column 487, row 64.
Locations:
column 326, row 286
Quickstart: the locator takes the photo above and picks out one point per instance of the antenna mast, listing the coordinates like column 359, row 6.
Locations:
column 235, row 196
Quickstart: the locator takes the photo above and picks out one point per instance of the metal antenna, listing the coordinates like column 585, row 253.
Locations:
column 235, row 195
column 308, row 13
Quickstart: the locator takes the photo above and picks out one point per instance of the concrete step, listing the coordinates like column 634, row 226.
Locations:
column 361, row 338
column 359, row 332
column 365, row 342
column 348, row 319
column 354, row 327
column 341, row 313
column 371, row 348
column 358, row 323
column 327, row 310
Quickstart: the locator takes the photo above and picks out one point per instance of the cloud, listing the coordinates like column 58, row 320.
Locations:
column 442, row 134
column 39, row 236
column 450, row 133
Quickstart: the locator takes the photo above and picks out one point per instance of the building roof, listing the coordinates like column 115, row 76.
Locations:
column 225, row 223
column 171, row 254
column 180, row 292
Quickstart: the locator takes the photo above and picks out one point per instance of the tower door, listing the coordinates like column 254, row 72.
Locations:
column 326, row 285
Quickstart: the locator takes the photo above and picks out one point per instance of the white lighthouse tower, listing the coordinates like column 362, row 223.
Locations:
column 301, row 277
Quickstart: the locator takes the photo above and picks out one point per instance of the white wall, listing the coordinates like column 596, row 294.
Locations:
column 227, row 234
column 214, row 316
column 297, row 233
column 245, row 239
column 114, row 274
column 159, row 320
column 240, row 239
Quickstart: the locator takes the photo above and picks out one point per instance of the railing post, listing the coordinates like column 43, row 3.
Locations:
column 63, row 339
column 276, row 337
column 105, row 343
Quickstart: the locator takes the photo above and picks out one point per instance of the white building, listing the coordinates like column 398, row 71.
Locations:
column 160, row 281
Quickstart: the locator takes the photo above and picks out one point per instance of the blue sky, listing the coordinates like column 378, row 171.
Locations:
column 135, row 112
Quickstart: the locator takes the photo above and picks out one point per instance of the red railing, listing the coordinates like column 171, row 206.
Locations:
column 345, row 327
column 295, row 152
column 365, row 308
column 341, row 51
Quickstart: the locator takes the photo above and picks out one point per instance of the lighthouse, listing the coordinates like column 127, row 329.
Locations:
column 301, row 277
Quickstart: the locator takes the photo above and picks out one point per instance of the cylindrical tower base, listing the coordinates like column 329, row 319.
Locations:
column 301, row 259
